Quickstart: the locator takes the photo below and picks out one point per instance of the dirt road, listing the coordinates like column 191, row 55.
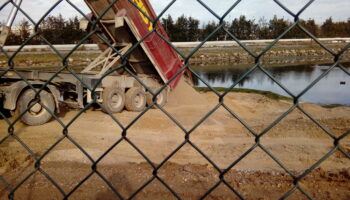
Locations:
column 296, row 141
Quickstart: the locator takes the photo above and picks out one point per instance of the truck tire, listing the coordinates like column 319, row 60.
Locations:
column 113, row 99
column 162, row 98
column 135, row 99
column 36, row 115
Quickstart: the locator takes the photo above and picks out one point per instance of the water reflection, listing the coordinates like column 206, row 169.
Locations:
column 330, row 90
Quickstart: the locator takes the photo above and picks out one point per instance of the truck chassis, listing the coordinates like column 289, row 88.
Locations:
column 114, row 92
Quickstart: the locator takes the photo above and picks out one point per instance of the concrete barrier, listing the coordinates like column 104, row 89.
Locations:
column 209, row 44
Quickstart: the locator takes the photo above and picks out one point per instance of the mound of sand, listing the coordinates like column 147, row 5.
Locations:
column 185, row 95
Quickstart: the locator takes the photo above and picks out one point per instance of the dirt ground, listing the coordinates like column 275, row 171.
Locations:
column 295, row 141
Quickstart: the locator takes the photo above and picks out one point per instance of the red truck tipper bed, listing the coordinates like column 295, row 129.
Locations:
column 162, row 56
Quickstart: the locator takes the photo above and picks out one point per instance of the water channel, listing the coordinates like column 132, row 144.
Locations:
column 333, row 89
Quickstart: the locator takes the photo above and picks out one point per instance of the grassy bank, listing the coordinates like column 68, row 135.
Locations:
column 268, row 94
column 279, row 55
column 48, row 61
column 276, row 56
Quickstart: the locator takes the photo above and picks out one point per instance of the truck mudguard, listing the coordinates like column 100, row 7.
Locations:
column 13, row 91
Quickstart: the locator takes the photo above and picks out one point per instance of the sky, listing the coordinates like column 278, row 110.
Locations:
column 319, row 10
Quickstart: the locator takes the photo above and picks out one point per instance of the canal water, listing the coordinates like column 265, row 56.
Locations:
column 334, row 88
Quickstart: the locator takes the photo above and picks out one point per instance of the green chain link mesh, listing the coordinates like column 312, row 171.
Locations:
column 187, row 133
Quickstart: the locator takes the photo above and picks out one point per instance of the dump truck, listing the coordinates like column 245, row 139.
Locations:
column 122, row 27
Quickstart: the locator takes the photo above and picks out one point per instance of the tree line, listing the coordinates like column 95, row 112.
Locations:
column 58, row 30
column 189, row 29
column 55, row 29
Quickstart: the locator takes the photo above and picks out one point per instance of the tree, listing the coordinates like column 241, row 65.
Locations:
column 13, row 39
column 341, row 29
column 327, row 28
column 58, row 30
column 20, row 34
column 193, row 29
column 263, row 31
column 168, row 24
column 71, row 32
column 208, row 29
column 296, row 32
column 222, row 34
column 348, row 27
column 181, row 32
column 312, row 27
column 244, row 29
column 52, row 29
column 277, row 26
column 24, row 31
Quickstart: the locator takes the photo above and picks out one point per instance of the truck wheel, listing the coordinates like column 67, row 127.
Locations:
column 162, row 98
column 36, row 115
column 113, row 99
column 135, row 99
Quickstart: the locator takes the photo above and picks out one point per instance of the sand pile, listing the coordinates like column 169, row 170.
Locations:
column 185, row 95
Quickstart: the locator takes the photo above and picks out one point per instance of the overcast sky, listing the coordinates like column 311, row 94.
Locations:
column 320, row 10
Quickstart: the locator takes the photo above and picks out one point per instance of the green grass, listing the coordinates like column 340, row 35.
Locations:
column 256, row 49
column 333, row 105
column 48, row 57
column 268, row 94
column 47, row 61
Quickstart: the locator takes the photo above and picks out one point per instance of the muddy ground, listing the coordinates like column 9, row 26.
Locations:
column 295, row 141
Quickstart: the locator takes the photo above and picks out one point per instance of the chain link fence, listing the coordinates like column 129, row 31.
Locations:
column 13, row 188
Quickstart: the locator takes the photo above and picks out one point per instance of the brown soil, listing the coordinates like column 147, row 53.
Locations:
column 296, row 141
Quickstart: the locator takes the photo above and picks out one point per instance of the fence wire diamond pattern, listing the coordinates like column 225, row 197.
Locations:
column 65, row 66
